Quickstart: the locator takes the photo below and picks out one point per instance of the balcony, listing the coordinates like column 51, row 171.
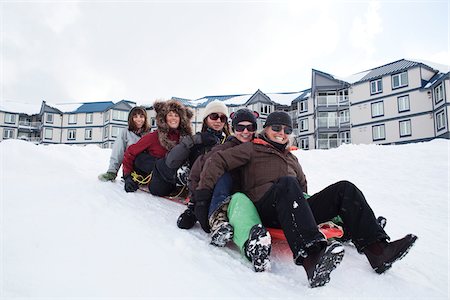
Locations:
column 332, row 100
column 29, row 125
column 332, row 143
column 332, row 122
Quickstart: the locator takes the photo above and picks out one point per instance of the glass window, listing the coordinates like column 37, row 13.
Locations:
column 399, row 80
column 376, row 86
column 345, row 137
column 439, row 93
column 403, row 103
column 378, row 133
column 304, row 143
column 440, row 120
column 89, row 118
column 106, row 132
column 10, row 118
column 344, row 116
column 303, row 106
column 49, row 118
column 88, row 134
column 8, row 134
column 303, row 124
column 115, row 132
column 120, row 115
column 48, row 134
column 405, row 128
column 72, row 119
column 71, row 134
column 377, row 109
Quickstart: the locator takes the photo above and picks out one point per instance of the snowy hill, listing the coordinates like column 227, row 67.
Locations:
column 66, row 234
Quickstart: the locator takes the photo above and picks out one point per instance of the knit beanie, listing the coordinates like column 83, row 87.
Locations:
column 243, row 114
column 278, row 118
column 215, row 106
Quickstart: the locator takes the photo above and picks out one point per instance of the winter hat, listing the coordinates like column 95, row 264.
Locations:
column 244, row 114
column 215, row 106
column 278, row 118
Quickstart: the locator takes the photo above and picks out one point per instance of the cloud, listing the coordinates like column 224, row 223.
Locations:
column 365, row 29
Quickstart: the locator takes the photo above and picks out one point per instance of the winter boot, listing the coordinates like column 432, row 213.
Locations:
column 257, row 248
column 383, row 254
column 319, row 265
column 382, row 221
column 221, row 229
column 187, row 219
column 183, row 175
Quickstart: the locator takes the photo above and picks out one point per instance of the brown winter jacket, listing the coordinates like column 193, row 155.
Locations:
column 261, row 165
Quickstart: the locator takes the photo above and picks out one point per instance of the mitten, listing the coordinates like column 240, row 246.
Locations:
column 208, row 138
column 187, row 219
column 130, row 184
column 201, row 208
column 108, row 176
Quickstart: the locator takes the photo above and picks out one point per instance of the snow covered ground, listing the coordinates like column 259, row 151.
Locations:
column 66, row 234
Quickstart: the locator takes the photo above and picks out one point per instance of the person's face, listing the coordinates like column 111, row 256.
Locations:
column 138, row 120
column 216, row 121
column 242, row 133
column 277, row 133
column 173, row 120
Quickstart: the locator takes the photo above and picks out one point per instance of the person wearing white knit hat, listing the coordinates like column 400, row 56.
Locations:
column 215, row 106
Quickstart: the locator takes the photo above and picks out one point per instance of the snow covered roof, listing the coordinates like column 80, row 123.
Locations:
column 17, row 107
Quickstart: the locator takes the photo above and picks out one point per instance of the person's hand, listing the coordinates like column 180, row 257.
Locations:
column 201, row 208
column 130, row 185
column 108, row 176
column 208, row 138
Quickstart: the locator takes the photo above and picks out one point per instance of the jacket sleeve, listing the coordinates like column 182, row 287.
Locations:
column 223, row 161
column 301, row 176
column 132, row 151
column 118, row 151
column 178, row 155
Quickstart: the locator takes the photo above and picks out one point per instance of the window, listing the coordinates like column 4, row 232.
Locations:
column 378, row 133
column 106, row 117
column 72, row 134
column 376, row 86
column 303, row 106
column 72, row 119
column 405, row 128
column 403, row 103
column 48, row 134
column 115, row 132
column 106, row 132
column 49, row 118
column 304, row 143
column 89, row 118
column 345, row 137
column 153, row 122
column 377, row 109
column 344, row 116
column 8, row 134
column 265, row 109
column 439, row 93
column 88, row 134
column 440, row 120
column 120, row 115
column 10, row 118
column 303, row 124
column 399, row 80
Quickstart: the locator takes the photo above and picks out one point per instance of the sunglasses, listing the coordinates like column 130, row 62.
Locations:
column 215, row 116
column 240, row 127
column 278, row 128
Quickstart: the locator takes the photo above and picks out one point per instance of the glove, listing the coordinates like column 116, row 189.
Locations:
column 130, row 185
column 108, row 176
column 208, row 139
column 187, row 219
column 201, row 208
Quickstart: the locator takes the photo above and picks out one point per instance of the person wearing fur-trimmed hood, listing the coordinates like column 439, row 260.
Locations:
column 173, row 121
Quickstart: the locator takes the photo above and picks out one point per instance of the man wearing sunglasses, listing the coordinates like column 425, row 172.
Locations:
column 272, row 178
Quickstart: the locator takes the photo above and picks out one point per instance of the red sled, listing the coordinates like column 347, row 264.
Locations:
column 328, row 229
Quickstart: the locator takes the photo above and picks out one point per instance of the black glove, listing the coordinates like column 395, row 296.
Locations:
column 208, row 139
column 187, row 219
column 130, row 185
column 201, row 208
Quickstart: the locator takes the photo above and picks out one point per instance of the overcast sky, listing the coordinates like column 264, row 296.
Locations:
column 84, row 51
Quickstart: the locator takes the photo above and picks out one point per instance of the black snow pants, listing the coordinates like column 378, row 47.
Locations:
column 163, row 181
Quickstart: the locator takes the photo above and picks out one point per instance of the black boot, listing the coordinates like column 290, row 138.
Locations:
column 187, row 219
column 257, row 248
column 383, row 254
column 319, row 265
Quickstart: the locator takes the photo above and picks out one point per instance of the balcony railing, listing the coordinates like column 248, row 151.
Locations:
column 31, row 125
column 332, row 100
column 331, row 143
column 331, row 122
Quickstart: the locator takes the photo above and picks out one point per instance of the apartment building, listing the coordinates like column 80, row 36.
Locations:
column 400, row 102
